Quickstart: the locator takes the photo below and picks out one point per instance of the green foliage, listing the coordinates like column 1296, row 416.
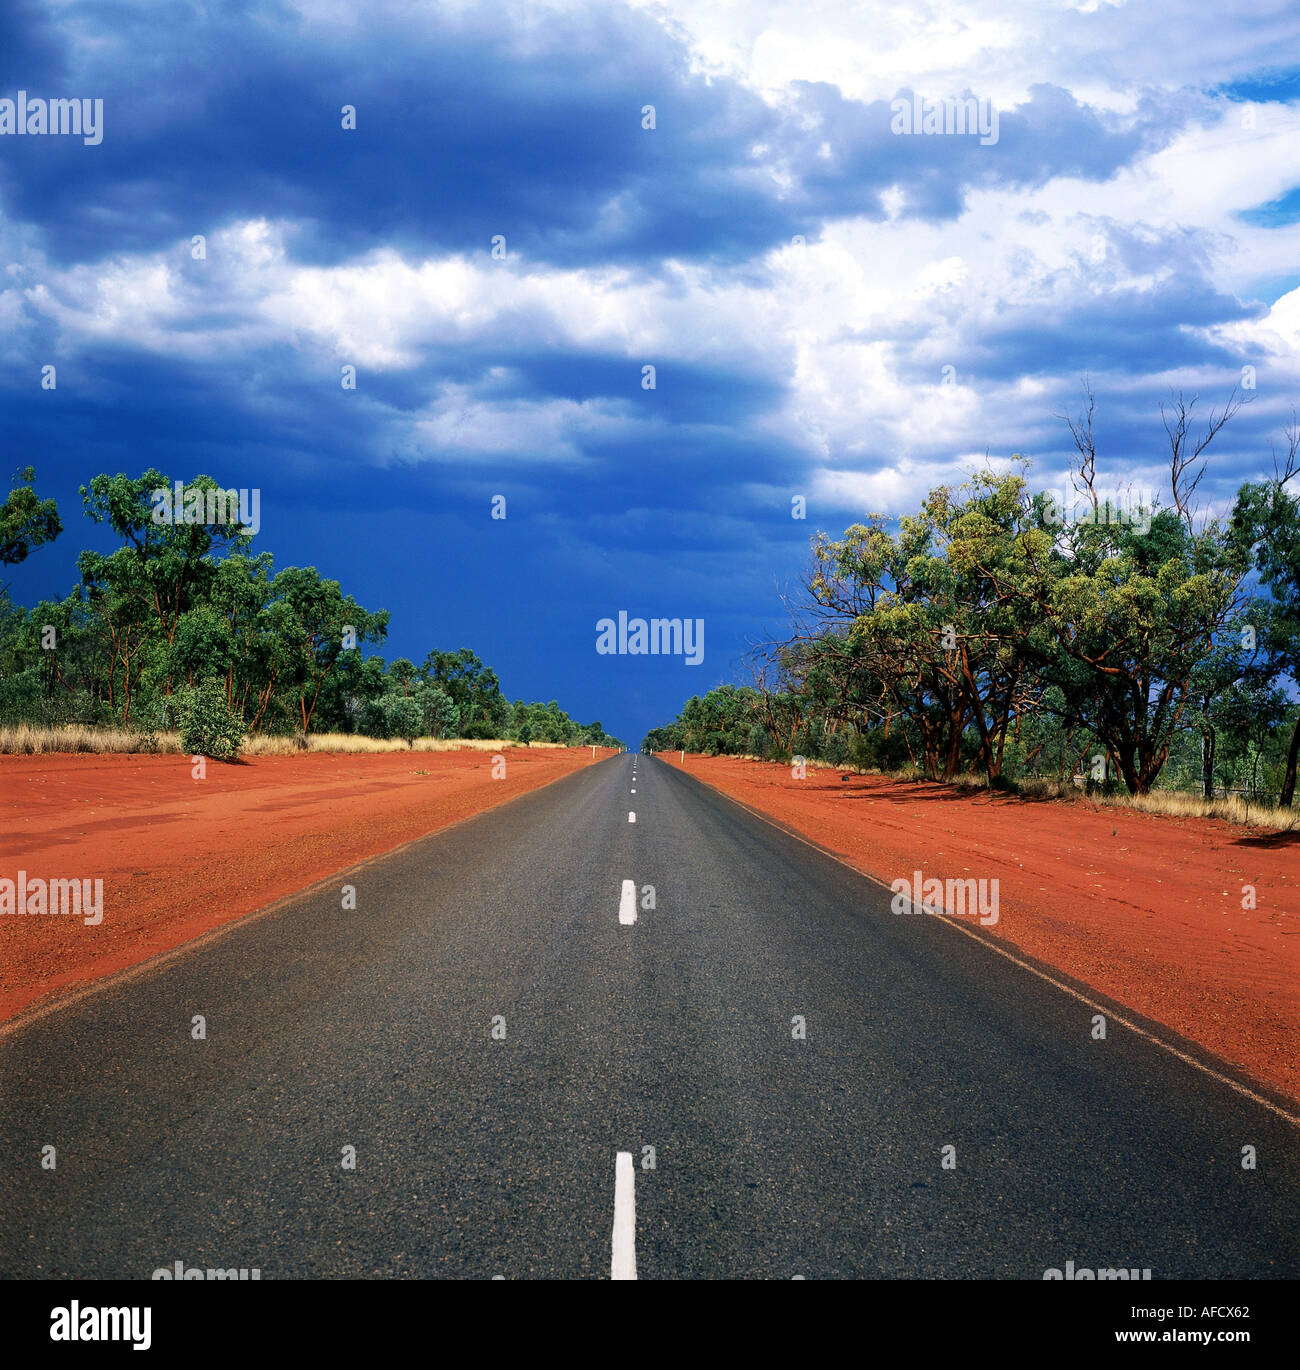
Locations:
column 835, row 749
column 718, row 723
column 482, row 710
column 549, row 723
column 1266, row 524
column 872, row 750
column 403, row 716
column 208, row 725
column 983, row 634
column 438, row 714
column 26, row 521
column 180, row 609
column 410, row 709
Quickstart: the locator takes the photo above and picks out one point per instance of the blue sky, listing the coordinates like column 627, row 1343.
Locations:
column 799, row 275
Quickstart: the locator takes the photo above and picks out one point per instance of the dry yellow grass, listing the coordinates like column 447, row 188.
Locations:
column 25, row 739
column 1232, row 808
column 266, row 745
column 1169, row 803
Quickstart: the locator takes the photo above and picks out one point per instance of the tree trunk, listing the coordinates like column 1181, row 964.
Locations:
column 977, row 706
column 1132, row 776
column 1292, row 756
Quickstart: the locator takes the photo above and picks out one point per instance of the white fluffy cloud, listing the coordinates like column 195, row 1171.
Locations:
column 852, row 330
column 1104, row 51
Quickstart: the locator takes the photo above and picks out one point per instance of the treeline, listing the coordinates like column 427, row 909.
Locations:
column 988, row 633
column 185, row 611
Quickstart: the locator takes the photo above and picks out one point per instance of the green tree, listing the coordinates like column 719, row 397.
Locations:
column 1266, row 522
column 208, row 725
column 314, row 622
column 472, row 687
column 26, row 521
column 439, row 714
column 173, row 561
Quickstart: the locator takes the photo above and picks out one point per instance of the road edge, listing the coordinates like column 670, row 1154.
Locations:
column 1160, row 1034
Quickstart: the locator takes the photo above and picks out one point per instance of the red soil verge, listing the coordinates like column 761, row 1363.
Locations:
column 1147, row 909
column 180, row 856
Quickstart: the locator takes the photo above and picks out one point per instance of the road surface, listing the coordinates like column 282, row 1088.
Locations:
column 651, row 1108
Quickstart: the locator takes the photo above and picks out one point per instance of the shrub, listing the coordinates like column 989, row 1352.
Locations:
column 835, row 749
column 404, row 717
column 440, row 716
column 207, row 724
column 863, row 752
column 395, row 715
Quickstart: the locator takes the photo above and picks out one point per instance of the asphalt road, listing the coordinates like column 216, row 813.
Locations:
column 481, row 1157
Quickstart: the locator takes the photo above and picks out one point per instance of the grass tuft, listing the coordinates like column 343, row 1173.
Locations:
column 1167, row 803
column 25, row 739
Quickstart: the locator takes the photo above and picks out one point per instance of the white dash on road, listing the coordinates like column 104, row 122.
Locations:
column 627, row 902
column 631, row 818
column 633, row 791
column 623, row 1264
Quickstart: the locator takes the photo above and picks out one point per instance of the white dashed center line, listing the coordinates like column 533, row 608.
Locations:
column 631, row 818
column 623, row 1264
column 627, row 903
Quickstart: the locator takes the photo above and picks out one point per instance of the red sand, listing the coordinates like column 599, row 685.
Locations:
column 180, row 856
column 1144, row 908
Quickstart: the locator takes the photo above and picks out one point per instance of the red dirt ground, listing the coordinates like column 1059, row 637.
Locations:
column 180, row 856
column 1144, row 908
